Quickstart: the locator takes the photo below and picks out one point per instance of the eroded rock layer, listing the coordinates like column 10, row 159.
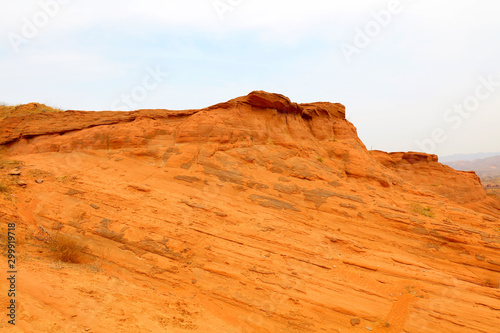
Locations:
column 254, row 215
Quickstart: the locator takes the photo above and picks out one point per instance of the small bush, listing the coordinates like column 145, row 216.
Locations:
column 68, row 249
column 320, row 159
column 422, row 210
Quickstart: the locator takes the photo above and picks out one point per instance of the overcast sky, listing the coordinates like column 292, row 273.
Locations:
column 414, row 74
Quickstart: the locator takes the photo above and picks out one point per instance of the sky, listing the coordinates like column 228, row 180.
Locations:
column 414, row 75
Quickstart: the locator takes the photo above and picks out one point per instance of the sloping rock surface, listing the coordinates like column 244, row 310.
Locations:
column 253, row 215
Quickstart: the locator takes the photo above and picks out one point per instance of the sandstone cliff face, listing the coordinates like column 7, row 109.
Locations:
column 254, row 215
column 425, row 172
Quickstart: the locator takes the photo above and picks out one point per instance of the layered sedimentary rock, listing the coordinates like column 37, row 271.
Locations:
column 253, row 215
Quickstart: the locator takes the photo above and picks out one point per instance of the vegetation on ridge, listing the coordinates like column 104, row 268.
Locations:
column 7, row 111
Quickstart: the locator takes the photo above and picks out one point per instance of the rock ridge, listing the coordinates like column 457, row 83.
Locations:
column 32, row 125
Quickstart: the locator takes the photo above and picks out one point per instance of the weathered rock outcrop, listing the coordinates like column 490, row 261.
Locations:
column 253, row 215
column 424, row 171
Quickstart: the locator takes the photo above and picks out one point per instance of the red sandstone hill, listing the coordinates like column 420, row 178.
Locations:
column 254, row 215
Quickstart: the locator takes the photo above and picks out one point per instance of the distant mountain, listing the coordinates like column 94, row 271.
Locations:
column 466, row 157
column 484, row 168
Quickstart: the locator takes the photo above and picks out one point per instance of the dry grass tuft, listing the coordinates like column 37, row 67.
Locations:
column 68, row 249
column 7, row 111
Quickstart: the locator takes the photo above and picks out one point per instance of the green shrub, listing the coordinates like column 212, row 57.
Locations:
column 422, row 210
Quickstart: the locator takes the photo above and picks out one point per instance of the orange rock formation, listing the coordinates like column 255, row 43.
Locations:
column 254, row 215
